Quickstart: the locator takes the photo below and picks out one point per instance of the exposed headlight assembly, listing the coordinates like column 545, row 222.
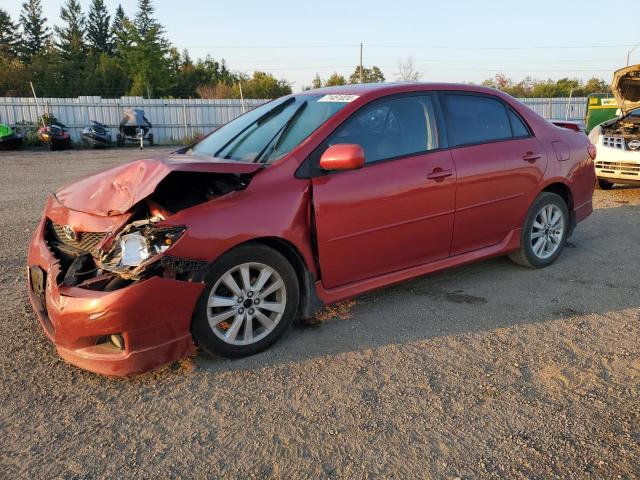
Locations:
column 140, row 245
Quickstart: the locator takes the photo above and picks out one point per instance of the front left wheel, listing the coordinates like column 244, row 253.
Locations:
column 251, row 299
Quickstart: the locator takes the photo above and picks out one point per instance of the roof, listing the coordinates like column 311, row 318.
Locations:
column 379, row 89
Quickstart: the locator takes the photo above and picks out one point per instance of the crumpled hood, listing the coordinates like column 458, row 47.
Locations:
column 626, row 88
column 115, row 191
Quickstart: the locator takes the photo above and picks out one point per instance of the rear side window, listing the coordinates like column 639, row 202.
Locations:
column 517, row 125
column 391, row 128
column 475, row 119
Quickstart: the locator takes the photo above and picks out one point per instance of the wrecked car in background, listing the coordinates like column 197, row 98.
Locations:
column 307, row 200
column 618, row 140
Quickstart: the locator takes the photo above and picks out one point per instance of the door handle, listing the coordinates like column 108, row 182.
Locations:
column 439, row 174
column 531, row 157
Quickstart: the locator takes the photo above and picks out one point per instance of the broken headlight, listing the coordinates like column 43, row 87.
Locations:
column 138, row 246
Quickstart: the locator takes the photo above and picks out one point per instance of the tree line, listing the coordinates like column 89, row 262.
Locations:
column 97, row 53
column 533, row 88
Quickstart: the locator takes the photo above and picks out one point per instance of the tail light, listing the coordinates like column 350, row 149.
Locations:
column 593, row 151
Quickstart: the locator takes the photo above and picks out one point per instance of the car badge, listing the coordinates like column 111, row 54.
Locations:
column 634, row 144
column 70, row 233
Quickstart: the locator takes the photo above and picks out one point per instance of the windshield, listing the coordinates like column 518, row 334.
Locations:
column 270, row 131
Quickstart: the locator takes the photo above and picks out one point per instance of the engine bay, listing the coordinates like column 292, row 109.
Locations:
column 108, row 261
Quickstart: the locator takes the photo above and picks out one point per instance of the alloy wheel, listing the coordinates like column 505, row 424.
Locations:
column 547, row 231
column 246, row 303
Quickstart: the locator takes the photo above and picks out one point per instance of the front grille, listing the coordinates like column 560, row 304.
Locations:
column 621, row 168
column 614, row 142
column 619, row 142
column 85, row 241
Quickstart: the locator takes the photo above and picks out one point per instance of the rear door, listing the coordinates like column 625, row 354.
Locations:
column 499, row 166
column 395, row 212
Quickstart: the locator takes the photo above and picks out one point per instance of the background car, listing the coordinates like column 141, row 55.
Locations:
column 618, row 140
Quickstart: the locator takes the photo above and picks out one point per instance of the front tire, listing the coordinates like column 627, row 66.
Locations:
column 544, row 232
column 604, row 185
column 250, row 300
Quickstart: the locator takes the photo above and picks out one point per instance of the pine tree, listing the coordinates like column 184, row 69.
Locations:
column 71, row 35
column 9, row 37
column 120, row 32
column 99, row 35
column 35, row 32
column 148, row 58
column 144, row 22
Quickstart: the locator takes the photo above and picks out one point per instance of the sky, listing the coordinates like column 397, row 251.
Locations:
column 450, row 41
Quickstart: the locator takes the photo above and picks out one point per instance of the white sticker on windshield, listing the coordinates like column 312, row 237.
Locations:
column 338, row 98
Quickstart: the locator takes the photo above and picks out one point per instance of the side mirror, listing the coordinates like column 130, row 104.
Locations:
column 343, row 156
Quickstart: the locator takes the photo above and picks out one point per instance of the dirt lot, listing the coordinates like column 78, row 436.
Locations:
column 485, row 371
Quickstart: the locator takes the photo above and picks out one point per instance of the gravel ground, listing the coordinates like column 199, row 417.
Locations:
column 485, row 371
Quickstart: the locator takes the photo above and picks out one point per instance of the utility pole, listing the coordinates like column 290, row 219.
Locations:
column 361, row 62
column 631, row 51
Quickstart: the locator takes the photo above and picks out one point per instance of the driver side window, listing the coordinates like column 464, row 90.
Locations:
column 391, row 128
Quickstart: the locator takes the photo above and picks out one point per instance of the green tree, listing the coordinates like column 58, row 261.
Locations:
column 120, row 32
column 596, row 85
column 262, row 85
column 99, row 36
column 35, row 32
column 107, row 78
column 71, row 34
column 317, row 82
column 335, row 80
column 369, row 75
column 145, row 53
column 9, row 37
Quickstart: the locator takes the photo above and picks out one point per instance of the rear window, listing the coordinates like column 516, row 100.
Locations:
column 517, row 125
column 475, row 119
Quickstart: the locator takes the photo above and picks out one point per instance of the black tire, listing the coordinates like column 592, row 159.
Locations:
column 604, row 185
column 526, row 256
column 203, row 333
column 119, row 140
column 151, row 140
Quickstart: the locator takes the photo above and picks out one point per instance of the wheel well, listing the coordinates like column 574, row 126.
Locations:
column 309, row 301
column 564, row 192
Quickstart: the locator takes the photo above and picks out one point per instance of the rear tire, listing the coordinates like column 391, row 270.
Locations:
column 250, row 300
column 604, row 185
column 544, row 232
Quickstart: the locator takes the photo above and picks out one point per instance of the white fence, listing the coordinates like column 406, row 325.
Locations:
column 175, row 120
column 558, row 108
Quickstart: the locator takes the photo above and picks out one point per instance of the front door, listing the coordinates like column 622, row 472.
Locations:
column 397, row 211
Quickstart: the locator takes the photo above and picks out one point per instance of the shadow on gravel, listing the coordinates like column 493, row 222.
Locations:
column 597, row 273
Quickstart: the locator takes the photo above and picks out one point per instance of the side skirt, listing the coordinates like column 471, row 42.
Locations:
column 333, row 295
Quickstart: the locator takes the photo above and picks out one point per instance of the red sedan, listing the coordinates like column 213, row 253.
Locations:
column 305, row 201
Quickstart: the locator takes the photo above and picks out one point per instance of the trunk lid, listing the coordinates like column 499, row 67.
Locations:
column 115, row 191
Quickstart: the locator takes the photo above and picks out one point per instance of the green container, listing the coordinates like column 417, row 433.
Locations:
column 600, row 108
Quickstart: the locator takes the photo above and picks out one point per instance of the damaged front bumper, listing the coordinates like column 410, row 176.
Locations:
column 152, row 316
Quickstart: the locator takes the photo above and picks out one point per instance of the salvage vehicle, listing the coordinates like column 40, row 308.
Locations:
column 9, row 140
column 55, row 136
column 618, row 140
column 96, row 135
column 305, row 201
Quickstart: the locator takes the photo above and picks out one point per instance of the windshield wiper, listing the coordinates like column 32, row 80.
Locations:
column 275, row 140
column 275, row 110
